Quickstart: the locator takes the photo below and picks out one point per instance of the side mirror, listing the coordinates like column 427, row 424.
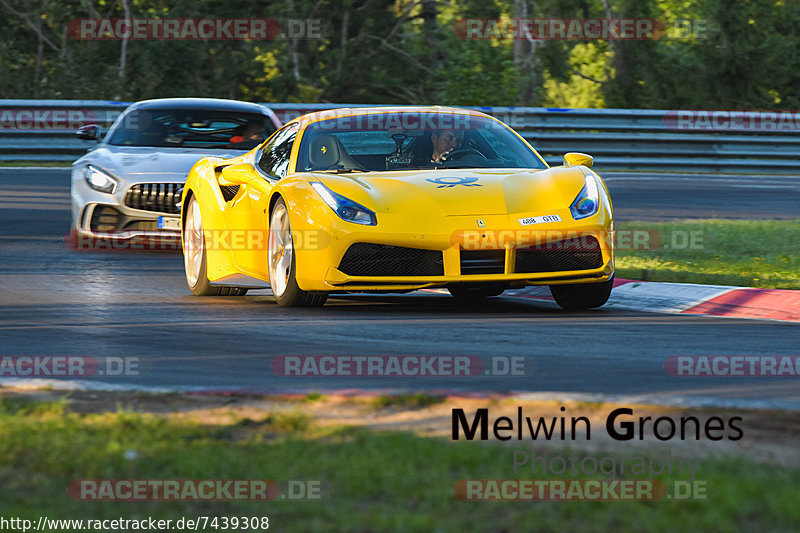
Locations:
column 572, row 159
column 237, row 174
column 90, row 132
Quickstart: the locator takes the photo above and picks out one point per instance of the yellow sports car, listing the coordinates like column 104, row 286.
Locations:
column 392, row 199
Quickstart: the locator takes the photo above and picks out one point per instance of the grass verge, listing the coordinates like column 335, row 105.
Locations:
column 748, row 253
column 417, row 400
column 371, row 480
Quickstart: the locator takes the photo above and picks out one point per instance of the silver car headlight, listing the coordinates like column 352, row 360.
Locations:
column 100, row 180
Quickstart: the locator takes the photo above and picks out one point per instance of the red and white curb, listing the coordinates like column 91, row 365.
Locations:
column 693, row 299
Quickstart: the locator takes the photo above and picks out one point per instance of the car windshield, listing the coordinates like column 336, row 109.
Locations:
column 191, row 128
column 412, row 140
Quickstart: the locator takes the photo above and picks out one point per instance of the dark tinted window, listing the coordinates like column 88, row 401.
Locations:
column 191, row 128
column 276, row 155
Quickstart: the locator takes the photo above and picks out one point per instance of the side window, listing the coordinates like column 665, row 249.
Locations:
column 275, row 156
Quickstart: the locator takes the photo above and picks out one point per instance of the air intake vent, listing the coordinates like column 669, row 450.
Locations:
column 482, row 262
column 105, row 218
column 572, row 254
column 229, row 191
column 366, row 259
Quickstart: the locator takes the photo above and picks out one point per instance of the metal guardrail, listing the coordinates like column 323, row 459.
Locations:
column 619, row 139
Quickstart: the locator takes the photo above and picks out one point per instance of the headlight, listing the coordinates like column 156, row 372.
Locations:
column 346, row 209
column 99, row 180
column 587, row 202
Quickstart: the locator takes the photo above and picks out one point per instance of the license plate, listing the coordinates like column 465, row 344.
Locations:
column 172, row 223
column 539, row 220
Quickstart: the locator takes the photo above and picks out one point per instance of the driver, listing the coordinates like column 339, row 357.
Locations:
column 444, row 142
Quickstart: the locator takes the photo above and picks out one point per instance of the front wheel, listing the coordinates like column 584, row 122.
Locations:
column 194, row 256
column 282, row 263
column 582, row 295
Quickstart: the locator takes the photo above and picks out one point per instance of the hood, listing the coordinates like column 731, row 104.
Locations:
column 460, row 192
column 149, row 164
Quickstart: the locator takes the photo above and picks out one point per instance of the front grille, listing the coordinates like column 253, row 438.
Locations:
column 160, row 197
column 105, row 218
column 482, row 262
column 581, row 253
column 367, row 259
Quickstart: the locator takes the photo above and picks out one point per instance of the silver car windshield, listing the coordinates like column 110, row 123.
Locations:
column 191, row 128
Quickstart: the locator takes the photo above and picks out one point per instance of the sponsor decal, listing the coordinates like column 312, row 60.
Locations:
column 452, row 181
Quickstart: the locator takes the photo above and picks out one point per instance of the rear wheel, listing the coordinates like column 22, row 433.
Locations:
column 582, row 295
column 282, row 263
column 194, row 256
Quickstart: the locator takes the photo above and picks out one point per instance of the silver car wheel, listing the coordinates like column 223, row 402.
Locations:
column 279, row 250
column 193, row 243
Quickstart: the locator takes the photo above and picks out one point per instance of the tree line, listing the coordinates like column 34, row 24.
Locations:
column 704, row 54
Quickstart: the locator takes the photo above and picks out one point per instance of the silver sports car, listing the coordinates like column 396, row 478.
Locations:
column 127, row 188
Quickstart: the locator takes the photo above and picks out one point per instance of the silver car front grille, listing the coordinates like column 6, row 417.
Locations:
column 159, row 197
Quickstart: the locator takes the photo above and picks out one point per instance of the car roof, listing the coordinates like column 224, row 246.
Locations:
column 211, row 104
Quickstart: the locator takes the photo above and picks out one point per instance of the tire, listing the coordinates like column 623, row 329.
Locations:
column 194, row 257
column 282, row 263
column 582, row 295
column 474, row 292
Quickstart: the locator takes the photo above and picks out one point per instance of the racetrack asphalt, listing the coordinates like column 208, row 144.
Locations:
column 56, row 301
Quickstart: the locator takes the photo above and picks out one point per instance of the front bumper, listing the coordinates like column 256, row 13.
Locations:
column 456, row 273
column 561, row 254
column 104, row 221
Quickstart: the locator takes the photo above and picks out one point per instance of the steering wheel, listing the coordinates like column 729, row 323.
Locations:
column 455, row 155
